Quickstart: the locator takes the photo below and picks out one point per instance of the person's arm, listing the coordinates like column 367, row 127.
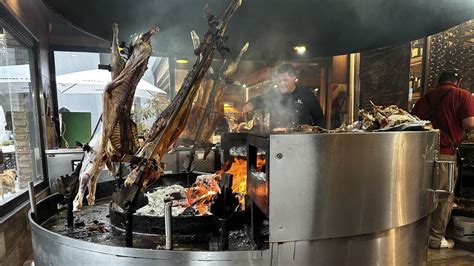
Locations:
column 468, row 123
column 467, row 112
column 315, row 109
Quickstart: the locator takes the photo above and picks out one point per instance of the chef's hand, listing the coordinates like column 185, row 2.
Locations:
column 248, row 107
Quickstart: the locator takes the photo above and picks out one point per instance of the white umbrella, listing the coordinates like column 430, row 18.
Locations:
column 15, row 78
column 15, row 73
column 95, row 81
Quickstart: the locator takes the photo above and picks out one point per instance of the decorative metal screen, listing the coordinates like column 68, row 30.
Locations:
column 384, row 76
column 453, row 49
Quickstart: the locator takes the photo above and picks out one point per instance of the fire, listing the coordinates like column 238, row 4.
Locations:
column 238, row 169
column 202, row 192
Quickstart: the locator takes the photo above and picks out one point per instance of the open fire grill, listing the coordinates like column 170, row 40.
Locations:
column 307, row 204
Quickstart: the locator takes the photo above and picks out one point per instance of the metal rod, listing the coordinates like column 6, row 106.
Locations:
column 223, row 236
column 168, row 227
column 451, row 166
column 70, row 216
column 31, row 192
column 129, row 229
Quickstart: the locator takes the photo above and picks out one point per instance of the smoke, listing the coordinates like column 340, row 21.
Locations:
column 327, row 27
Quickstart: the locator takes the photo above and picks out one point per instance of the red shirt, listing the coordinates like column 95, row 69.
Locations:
column 449, row 105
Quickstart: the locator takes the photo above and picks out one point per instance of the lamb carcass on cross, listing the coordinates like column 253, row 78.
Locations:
column 118, row 134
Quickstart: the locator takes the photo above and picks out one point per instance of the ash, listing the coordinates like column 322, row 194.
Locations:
column 93, row 225
column 156, row 201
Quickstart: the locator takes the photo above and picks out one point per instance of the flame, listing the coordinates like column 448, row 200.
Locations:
column 202, row 192
column 238, row 169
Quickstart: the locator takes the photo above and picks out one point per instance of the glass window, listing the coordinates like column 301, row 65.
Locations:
column 80, row 85
column 20, row 156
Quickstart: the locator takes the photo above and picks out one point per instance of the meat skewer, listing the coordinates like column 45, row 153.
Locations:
column 172, row 120
column 118, row 136
column 197, row 110
column 211, row 105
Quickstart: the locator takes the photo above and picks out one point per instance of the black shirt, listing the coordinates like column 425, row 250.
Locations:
column 288, row 110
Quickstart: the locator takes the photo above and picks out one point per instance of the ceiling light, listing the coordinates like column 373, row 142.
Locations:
column 245, row 86
column 300, row 49
column 182, row 61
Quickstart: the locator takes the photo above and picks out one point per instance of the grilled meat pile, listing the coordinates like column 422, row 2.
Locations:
column 391, row 118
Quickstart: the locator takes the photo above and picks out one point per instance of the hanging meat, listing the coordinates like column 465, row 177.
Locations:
column 214, row 99
column 208, row 109
column 188, row 136
column 119, row 132
column 172, row 120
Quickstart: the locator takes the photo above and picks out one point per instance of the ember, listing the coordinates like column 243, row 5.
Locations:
column 202, row 192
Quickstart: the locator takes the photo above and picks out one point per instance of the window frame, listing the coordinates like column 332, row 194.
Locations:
column 52, row 71
column 10, row 23
column 82, row 49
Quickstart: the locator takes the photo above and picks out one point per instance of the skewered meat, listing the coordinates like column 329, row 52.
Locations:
column 119, row 133
column 85, row 174
column 196, row 114
column 172, row 120
column 215, row 99
column 209, row 104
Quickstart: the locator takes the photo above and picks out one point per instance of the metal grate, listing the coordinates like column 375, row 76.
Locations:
column 206, row 166
column 453, row 49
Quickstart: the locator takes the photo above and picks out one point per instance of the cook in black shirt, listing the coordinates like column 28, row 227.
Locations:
column 292, row 105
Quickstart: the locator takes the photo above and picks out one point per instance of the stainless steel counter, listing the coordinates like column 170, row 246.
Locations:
column 63, row 161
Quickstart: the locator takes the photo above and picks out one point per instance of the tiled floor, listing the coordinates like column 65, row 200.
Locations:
column 451, row 257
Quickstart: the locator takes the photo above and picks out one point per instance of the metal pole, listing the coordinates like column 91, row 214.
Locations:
column 70, row 215
column 451, row 166
column 168, row 228
column 31, row 192
column 129, row 229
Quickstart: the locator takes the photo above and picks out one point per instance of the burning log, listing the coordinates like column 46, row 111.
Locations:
column 119, row 133
column 170, row 124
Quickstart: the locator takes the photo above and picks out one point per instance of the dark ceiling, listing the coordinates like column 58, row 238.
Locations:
column 273, row 27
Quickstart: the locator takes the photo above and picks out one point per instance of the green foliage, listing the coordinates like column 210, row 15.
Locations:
column 150, row 110
column 8, row 142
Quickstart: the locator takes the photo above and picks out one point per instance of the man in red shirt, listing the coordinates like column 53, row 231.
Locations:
column 451, row 110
